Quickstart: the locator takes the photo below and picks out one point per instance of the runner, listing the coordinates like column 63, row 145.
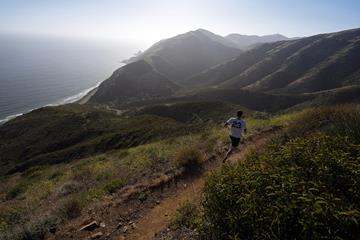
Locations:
column 236, row 126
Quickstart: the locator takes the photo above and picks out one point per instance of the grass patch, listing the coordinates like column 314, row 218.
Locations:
column 114, row 185
column 187, row 215
column 342, row 120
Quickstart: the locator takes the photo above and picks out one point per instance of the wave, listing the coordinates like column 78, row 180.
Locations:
column 63, row 101
column 8, row 118
column 74, row 98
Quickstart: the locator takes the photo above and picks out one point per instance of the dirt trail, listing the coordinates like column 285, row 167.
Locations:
column 158, row 218
column 125, row 215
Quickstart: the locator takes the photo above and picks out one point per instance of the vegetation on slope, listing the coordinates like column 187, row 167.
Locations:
column 71, row 188
column 305, row 65
column 210, row 112
column 75, row 182
column 303, row 185
column 134, row 81
column 58, row 134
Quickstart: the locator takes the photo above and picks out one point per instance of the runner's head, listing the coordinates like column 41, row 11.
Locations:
column 239, row 114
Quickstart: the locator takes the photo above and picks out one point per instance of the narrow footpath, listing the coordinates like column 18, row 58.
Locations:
column 158, row 218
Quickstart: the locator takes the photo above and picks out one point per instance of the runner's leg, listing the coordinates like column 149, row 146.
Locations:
column 229, row 151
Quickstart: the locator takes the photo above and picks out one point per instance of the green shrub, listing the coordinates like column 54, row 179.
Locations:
column 114, row 185
column 70, row 208
column 145, row 156
column 188, row 157
column 187, row 215
column 33, row 230
column 308, row 188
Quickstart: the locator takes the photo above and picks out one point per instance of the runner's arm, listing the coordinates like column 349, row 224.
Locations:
column 227, row 122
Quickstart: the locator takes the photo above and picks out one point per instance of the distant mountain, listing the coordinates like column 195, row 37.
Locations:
column 200, row 60
column 320, row 62
column 246, row 41
column 157, row 71
column 188, row 54
column 137, row 80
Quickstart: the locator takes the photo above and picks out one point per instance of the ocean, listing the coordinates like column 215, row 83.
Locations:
column 36, row 71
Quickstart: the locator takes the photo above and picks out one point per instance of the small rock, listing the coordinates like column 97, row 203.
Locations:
column 102, row 224
column 125, row 229
column 90, row 227
column 166, row 214
column 97, row 235
column 133, row 225
column 157, row 202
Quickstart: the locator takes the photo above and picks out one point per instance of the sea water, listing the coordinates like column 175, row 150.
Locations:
column 36, row 70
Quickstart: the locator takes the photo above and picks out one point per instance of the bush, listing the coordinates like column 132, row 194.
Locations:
column 308, row 188
column 114, row 185
column 188, row 157
column 70, row 208
column 34, row 230
column 187, row 215
column 341, row 120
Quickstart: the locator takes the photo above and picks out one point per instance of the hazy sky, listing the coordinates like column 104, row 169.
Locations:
column 148, row 21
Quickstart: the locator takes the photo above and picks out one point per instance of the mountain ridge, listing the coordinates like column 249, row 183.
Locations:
column 294, row 66
column 249, row 41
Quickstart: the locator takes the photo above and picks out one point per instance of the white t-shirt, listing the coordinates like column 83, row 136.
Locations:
column 236, row 126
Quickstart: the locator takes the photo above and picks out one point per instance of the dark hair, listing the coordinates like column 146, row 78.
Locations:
column 239, row 113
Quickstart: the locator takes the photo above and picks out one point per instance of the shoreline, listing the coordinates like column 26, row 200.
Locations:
column 80, row 97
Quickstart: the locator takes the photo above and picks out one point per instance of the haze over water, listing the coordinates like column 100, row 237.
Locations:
column 37, row 71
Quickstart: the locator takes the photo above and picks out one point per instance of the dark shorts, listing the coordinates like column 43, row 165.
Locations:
column 234, row 141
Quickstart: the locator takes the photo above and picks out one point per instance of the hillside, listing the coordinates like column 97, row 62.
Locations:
column 186, row 66
column 188, row 54
column 137, row 80
column 53, row 135
column 311, row 64
column 175, row 187
column 299, row 184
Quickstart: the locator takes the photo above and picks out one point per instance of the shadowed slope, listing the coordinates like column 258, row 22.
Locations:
column 304, row 65
column 137, row 80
